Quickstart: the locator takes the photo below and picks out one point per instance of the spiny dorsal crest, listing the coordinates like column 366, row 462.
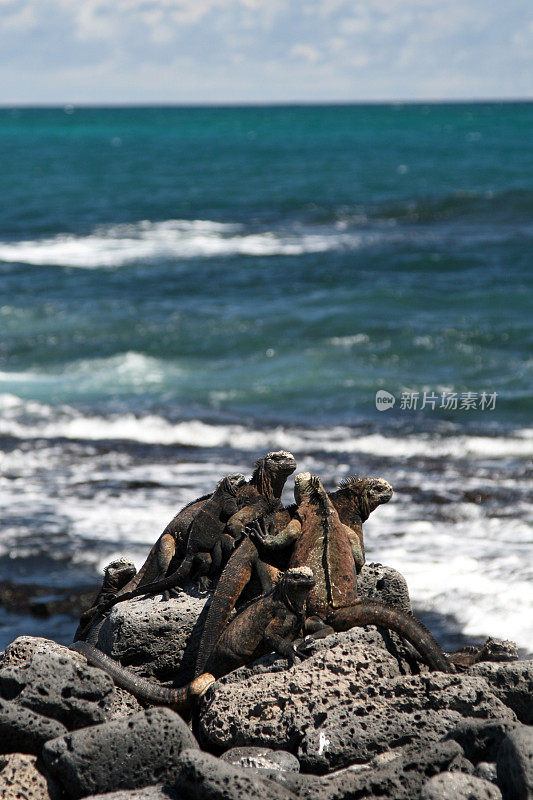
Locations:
column 231, row 482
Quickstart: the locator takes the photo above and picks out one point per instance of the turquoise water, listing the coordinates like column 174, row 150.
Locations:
column 181, row 289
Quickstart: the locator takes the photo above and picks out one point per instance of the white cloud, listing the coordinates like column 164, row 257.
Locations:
column 249, row 50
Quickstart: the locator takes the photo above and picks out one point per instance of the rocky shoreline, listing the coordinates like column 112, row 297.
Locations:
column 360, row 717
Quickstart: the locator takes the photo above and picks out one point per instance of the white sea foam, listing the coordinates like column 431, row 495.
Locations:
column 68, row 423
column 117, row 245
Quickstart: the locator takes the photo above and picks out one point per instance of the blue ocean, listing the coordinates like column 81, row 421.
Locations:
column 184, row 289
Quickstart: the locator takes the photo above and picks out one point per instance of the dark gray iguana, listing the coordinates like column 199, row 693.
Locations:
column 269, row 623
column 116, row 575
column 260, row 494
column 208, row 546
column 170, row 545
column 354, row 500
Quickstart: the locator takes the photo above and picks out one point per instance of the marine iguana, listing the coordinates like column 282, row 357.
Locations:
column 354, row 500
column 258, row 496
column 492, row 650
column 269, row 623
column 116, row 575
column 262, row 493
column 332, row 604
column 170, row 545
column 207, row 544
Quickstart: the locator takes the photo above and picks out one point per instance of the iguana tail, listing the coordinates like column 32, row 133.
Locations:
column 373, row 612
column 231, row 583
column 179, row 699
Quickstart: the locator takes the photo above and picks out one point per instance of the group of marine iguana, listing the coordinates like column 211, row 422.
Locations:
column 295, row 566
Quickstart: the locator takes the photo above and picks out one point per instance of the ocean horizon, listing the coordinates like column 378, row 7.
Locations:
column 184, row 288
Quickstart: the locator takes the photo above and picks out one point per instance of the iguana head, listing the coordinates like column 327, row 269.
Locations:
column 118, row 573
column 231, row 483
column 307, row 486
column 498, row 650
column 367, row 493
column 272, row 471
column 294, row 586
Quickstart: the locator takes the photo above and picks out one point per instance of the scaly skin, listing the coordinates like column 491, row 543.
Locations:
column 179, row 699
column 235, row 576
column 171, row 544
column 354, row 500
column 324, row 545
column 207, row 542
column 116, row 575
column 262, row 494
column 492, row 650
column 271, row 622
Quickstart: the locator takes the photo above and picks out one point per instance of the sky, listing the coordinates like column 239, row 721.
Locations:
column 263, row 51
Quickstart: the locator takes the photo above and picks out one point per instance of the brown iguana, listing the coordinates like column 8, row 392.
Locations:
column 269, row 623
column 324, row 544
column 207, row 544
column 354, row 500
column 116, row 575
column 492, row 650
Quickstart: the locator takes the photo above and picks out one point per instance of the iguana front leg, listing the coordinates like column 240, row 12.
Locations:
column 237, row 523
column 279, row 541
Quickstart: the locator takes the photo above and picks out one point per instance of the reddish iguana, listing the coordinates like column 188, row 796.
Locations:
column 355, row 499
column 324, row 545
column 271, row 622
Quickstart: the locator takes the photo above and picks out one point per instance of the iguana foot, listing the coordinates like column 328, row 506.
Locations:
column 260, row 531
column 204, row 584
column 167, row 594
column 302, row 647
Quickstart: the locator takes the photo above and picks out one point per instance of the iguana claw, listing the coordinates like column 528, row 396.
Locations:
column 301, row 648
column 260, row 531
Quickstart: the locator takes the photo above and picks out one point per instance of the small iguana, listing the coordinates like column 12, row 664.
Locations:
column 492, row 650
column 354, row 500
column 269, row 623
column 207, row 545
column 116, row 575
